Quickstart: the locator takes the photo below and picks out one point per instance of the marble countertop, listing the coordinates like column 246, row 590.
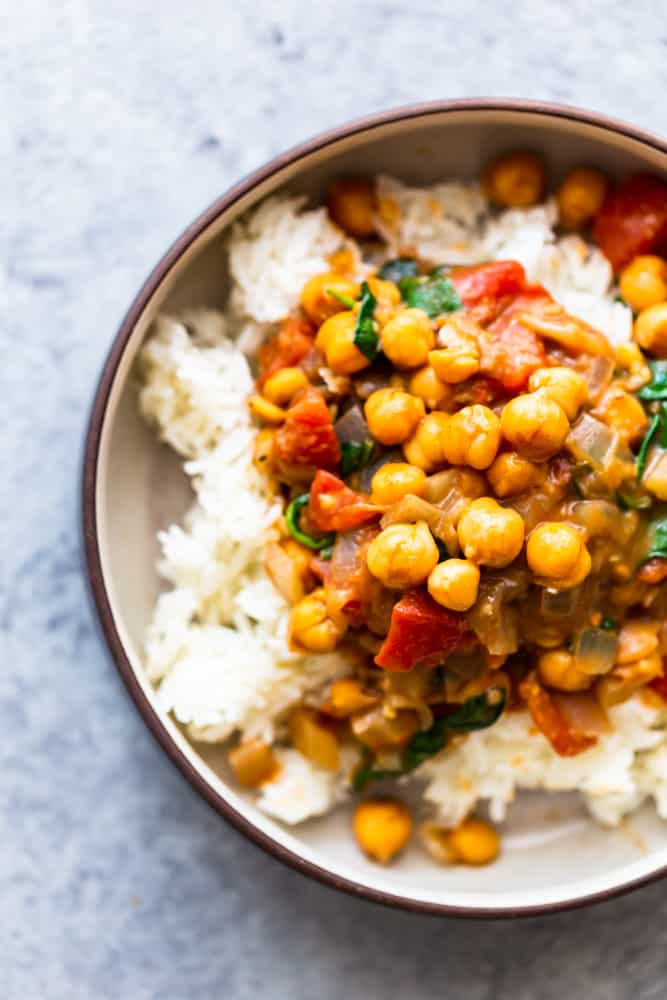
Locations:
column 122, row 121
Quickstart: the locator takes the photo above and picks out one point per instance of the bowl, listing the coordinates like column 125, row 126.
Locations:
column 554, row 856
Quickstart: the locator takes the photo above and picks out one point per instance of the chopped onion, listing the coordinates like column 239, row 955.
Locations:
column 598, row 517
column 598, row 375
column 439, row 486
column 582, row 713
column 352, row 426
column 655, row 477
column 493, row 619
column 595, row 651
column 592, row 441
column 560, row 603
column 412, row 508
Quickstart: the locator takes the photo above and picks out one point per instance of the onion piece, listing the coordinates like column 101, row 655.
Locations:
column 412, row 508
column 439, row 486
column 592, row 441
column 595, row 651
column 655, row 477
column 368, row 471
column 582, row 713
column 559, row 603
column 598, row 517
column 352, row 426
column 598, row 375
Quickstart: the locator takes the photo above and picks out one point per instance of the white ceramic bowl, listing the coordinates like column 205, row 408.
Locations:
column 554, row 856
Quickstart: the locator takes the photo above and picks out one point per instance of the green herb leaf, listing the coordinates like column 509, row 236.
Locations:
column 355, row 455
column 435, row 294
column 365, row 337
column 631, row 501
column 609, row 624
column 663, row 433
column 293, row 518
column 400, row 267
column 367, row 772
column 479, row 712
column 658, row 548
column 345, row 299
column 642, row 454
column 657, row 387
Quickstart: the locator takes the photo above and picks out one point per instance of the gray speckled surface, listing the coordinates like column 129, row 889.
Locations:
column 122, row 121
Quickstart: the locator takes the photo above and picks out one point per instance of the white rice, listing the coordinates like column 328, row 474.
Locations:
column 216, row 648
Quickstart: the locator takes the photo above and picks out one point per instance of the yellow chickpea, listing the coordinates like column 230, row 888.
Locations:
column 650, row 330
column 565, row 386
column 336, row 338
column 515, row 180
column 425, row 448
column 347, row 697
column 253, row 763
column 579, row 572
column 314, row 739
column 408, row 338
column 316, row 300
column 643, row 282
column 386, row 292
column 510, row 474
column 311, row 627
column 392, row 415
column 489, row 534
column 454, row 584
column 473, row 437
column 624, row 413
column 426, row 384
column 624, row 679
column 352, row 205
column 402, row 555
column 580, row 197
column 383, row 828
column 553, row 548
column 283, row 386
column 557, row 670
column 535, row 424
column 395, row 480
column 473, row 842
column 265, row 410
column 458, row 356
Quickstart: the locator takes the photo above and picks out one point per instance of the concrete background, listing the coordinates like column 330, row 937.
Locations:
column 121, row 121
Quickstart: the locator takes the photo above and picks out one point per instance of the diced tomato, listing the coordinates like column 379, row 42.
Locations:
column 659, row 684
column 333, row 506
column 421, row 632
column 287, row 348
column 654, row 571
column 549, row 719
column 488, row 281
column 511, row 351
column 307, row 437
column 633, row 219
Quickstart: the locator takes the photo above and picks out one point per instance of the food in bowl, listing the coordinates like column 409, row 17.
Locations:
column 427, row 439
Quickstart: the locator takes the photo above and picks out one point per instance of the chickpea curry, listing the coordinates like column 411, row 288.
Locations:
column 474, row 488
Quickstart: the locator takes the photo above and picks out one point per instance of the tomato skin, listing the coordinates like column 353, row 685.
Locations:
column 333, row 506
column 307, row 437
column 659, row 685
column 421, row 632
column 548, row 718
column 633, row 219
column 488, row 281
column 286, row 348
column 511, row 352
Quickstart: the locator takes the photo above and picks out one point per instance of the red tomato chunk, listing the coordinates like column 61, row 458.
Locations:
column 287, row 348
column 488, row 281
column 307, row 437
column 333, row 506
column 511, row 352
column 421, row 632
column 633, row 219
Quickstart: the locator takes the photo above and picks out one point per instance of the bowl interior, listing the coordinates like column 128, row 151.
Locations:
column 552, row 852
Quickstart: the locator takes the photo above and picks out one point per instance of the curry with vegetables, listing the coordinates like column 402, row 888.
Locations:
column 475, row 491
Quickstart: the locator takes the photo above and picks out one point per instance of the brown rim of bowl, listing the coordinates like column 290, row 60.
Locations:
column 97, row 586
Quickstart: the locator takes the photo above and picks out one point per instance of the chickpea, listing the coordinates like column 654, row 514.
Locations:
column 454, row 584
column 565, row 386
column 316, row 301
column 473, row 437
column 407, row 338
column 624, row 679
column 535, row 424
column 650, row 329
column 310, row 625
column 283, row 386
column 426, row 384
column 336, row 338
column 558, row 670
column 402, row 555
column 425, row 448
column 473, row 842
column 580, row 197
column 392, row 415
column 346, row 697
column 636, row 640
column 262, row 455
column 383, row 733
column 395, row 480
column 382, row 828
column 265, row 411
column 515, row 180
column 388, row 299
column 313, row 739
column 489, row 534
column 580, row 571
column 553, row 549
column 643, row 282
column 458, row 356
column 253, row 763
column 352, row 205
column 510, row 474
column 624, row 413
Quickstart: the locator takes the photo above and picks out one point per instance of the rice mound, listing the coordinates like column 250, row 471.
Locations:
column 216, row 647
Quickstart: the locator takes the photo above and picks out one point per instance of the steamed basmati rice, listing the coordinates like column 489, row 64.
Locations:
column 216, row 648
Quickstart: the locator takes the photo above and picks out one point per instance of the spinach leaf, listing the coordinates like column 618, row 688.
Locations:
column 435, row 294
column 365, row 337
column 642, row 454
column 425, row 744
column 367, row 772
column 293, row 521
column 658, row 548
column 401, row 267
column 479, row 712
column 355, row 455
column 633, row 501
column 657, row 387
